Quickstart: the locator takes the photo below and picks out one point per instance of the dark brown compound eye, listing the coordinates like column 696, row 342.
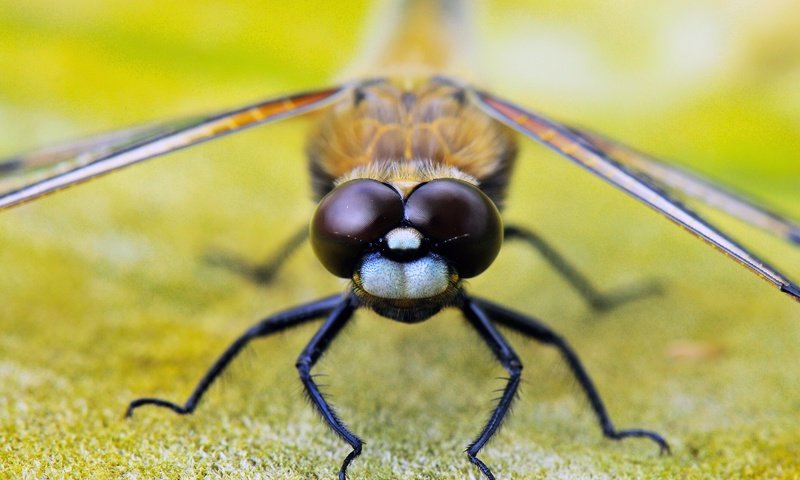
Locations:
column 462, row 221
column 350, row 217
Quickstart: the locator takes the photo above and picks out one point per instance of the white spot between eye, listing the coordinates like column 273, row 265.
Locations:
column 403, row 239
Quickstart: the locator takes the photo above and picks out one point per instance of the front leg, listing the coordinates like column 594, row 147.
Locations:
column 313, row 351
column 508, row 358
column 538, row 331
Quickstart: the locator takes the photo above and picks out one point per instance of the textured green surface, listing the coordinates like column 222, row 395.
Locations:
column 105, row 296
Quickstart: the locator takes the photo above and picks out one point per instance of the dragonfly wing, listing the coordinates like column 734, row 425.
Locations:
column 694, row 185
column 574, row 147
column 29, row 176
column 33, row 167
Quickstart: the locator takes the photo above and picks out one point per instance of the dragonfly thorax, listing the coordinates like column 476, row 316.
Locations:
column 427, row 123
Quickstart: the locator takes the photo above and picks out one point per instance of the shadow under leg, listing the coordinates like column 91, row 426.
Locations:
column 538, row 331
column 509, row 360
column 592, row 296
column 268, row 326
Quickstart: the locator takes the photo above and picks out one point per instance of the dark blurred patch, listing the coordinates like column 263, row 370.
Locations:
column 10, row 166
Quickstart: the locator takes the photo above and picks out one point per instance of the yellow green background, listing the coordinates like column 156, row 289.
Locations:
column 104, row 295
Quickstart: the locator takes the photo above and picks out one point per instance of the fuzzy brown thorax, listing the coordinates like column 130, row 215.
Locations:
column 413, row 133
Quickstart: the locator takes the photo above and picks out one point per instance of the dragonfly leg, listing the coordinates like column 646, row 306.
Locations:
column 264, row 272
column 306, row 361
column 509, row 360
column 540, row 332
column 268, row 326
column 593, row 297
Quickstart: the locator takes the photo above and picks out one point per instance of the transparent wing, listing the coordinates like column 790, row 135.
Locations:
column 29, row 176
column 33, row 167
column 570, row 145
column 695, row 186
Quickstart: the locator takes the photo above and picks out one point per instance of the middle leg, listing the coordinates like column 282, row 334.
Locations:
column 273, row 324
column 538, row 331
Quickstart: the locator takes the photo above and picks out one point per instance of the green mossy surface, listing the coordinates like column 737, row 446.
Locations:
column 105, row 297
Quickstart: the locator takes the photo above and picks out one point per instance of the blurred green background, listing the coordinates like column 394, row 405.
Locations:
column 105, row 296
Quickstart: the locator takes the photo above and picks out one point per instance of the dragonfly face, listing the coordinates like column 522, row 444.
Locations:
column 406, row 254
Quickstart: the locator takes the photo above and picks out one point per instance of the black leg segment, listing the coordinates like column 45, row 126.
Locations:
column 508, row 358
column 540, row 332
column 596, row 299
column 313, row 351
column 264, row 272
column 268, row 326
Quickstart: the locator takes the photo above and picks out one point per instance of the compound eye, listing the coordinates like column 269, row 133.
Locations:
column 462, row 221
column 349, row 218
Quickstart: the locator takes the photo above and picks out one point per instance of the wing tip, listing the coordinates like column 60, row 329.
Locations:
column 792, row 290
column 794, row 235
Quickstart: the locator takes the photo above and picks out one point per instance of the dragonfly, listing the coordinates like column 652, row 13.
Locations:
column 410, row 165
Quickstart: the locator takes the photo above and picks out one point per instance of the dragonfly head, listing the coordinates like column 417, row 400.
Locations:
column 406, row 253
